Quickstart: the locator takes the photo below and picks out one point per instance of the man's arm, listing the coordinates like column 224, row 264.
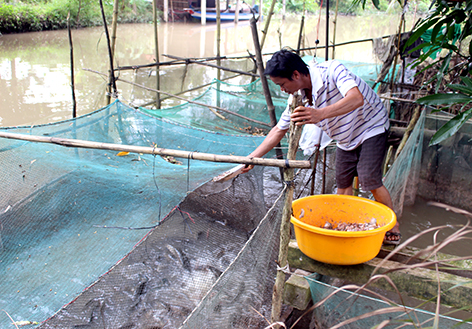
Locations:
column 272, row 139
column 303, row 115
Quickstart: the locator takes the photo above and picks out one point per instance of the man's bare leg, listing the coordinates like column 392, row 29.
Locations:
column 345, row 191
column 382, row 195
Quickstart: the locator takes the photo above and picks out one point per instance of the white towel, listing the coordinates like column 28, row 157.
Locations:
column 310, row 138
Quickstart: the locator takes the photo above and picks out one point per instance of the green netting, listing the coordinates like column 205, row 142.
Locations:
column 344, row 305
column 402, row 178
column 366, row 71
column 246, row 100
column 445, row 171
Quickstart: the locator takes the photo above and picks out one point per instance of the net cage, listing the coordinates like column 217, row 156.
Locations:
column 99, row 238
column 94, row 238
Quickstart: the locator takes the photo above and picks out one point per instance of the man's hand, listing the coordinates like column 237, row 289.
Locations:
column 303, row 115
column 247, row 168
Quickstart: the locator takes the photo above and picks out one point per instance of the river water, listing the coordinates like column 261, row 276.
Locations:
column 35, row 77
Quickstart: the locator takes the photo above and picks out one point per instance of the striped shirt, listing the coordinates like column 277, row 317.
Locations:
column 331, row 81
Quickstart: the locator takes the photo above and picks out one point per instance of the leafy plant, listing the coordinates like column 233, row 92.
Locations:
column 462, row 96
column 450, row 25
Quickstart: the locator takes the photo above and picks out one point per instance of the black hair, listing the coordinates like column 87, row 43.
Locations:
column 283, row 63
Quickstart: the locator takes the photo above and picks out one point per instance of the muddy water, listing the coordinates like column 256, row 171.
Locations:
column 421, row 216
column 35, row 73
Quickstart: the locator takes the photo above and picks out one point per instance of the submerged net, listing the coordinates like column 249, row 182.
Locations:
column 344, row 305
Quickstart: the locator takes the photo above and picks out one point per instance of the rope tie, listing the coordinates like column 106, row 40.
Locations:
column 284, row 269
column 290, row 183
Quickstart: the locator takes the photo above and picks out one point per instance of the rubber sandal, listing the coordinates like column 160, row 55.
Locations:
column 395, row 242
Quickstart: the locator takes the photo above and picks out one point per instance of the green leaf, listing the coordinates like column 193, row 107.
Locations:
column 464, row 89
column 467, row 81
column 438, row 28
column 420, row 30
column 376, row 4
column 470, row 47
column 442, row 99
column 450, row 127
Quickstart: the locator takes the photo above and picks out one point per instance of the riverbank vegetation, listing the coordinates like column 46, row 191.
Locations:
column 40, row 15
column 18, row 16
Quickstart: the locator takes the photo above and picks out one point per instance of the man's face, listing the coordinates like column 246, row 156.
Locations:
column 287, row 85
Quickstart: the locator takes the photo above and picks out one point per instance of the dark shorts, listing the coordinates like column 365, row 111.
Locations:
column 365, row 162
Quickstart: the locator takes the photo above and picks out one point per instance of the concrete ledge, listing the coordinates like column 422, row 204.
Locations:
column 297, row 290
column 456, row 291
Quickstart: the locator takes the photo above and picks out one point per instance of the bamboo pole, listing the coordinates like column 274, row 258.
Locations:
column 399, row 35
column 265, row 85
column 112, row 83
column 189, row 101
column 218, row 37
column 266, row 26
column 159, row 151
column 409, row 129
column 334, row 27
column 294, row 137
column 327, row 31
column 156, row 49
column 300, row 35
column 114, row 24
column 260, row 67
column 177, row 62
column 72, row 78
column 211, row 65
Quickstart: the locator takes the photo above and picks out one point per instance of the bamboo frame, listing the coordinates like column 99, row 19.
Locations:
column 304, row 164
column 184, row 99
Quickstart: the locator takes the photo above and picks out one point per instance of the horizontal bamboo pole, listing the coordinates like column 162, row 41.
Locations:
column 213, row 65
column 160, row 151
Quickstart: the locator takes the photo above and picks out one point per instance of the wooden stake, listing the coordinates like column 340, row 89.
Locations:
column 72, row 79
column 294, row 137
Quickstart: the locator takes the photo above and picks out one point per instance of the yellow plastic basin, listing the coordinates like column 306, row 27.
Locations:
column 339, row 247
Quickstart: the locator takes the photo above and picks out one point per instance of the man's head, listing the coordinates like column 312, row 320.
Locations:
column 287, row 70
column 283, row 63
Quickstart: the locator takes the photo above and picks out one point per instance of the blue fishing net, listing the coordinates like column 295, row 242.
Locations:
column 70, row 214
